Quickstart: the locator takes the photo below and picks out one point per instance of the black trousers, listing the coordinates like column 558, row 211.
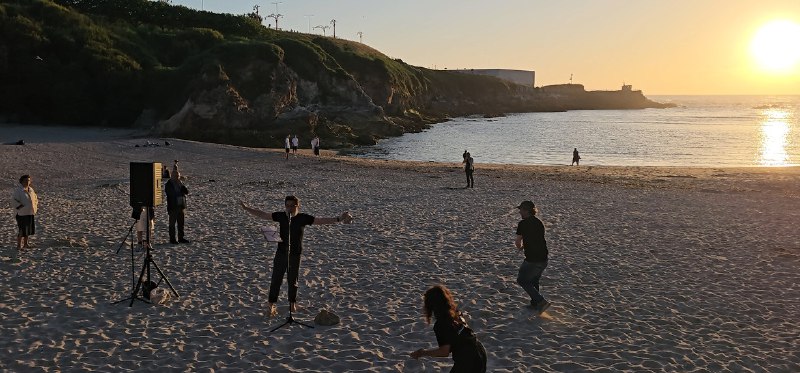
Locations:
column 279, row 269
column 470, row 179
column 176, row 216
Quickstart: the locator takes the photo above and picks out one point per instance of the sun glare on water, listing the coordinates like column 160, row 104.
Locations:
column 776, row 46
column 774, row 132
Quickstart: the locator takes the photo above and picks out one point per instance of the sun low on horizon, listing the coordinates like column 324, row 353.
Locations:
column 775, row 47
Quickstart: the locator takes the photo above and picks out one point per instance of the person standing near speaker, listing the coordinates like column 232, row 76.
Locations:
column 176, row 205
column 25, row 203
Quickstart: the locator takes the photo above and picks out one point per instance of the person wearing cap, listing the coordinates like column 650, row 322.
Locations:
column 530, row 238
column 176, row 205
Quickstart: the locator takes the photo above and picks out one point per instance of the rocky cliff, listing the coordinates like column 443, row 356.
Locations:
column 225, row 78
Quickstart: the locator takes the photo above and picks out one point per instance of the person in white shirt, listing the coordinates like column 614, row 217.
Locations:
column 287, row 145
column 295, row 145
column 25, row 203
column 315, row 145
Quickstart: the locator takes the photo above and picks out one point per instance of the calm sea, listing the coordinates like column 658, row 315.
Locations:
column 707, row 131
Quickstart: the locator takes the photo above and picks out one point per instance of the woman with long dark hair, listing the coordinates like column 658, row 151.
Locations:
column 452, row 333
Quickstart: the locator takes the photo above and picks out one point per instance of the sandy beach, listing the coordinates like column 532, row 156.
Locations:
column 651, row 269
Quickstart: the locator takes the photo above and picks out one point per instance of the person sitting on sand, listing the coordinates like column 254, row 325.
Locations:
column 530, row 238
column 290, row 218
column 25, row 203
column 452, row 333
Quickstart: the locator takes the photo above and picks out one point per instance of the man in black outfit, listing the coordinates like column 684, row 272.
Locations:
column 176, row 205
column 290, row 218
column 530, row 238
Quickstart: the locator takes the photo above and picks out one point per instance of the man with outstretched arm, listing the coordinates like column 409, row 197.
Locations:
column 290, row 219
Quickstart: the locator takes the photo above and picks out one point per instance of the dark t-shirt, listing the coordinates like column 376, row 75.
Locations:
column 299, row 223
column 467, row 352
column 532, row 231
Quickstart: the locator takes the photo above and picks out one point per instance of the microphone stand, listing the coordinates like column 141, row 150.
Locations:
column 290, row 319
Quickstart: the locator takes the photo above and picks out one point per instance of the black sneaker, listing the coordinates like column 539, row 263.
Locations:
column 173, row 242
column 183, row 240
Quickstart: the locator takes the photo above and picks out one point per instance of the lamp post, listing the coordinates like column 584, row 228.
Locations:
column 309, row 21
column 324, row 28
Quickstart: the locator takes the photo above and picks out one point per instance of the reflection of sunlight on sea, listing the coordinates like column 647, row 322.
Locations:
column 774, row 131
column 702, row 131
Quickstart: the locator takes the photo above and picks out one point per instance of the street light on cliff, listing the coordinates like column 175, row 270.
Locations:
column 275, row 17
column 324, row 28
column 309, row 21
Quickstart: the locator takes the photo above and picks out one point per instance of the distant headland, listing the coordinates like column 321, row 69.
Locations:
column 223, row 78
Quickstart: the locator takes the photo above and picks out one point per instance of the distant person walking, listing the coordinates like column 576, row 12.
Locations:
column 287, row 145
column 469, row 169
column 576, row 158
column 176, row 206
column 452, row 333
column 315, row 145
column 25, row 204
column 530, row 238
column 295, row 145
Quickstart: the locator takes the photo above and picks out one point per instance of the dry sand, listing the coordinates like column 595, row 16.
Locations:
column 651, row 269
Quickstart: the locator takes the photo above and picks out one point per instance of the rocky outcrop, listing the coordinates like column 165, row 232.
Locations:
column 225, row 78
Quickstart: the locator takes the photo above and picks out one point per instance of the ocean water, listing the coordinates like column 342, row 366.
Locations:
column 703, row 131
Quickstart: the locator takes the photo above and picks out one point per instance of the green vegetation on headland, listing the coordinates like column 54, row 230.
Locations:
column 224, row 78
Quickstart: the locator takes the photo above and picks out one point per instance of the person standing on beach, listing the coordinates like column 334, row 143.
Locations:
column 576, row 158
column 295, row 145
column 315, row 145
column 452, row 333
column 292, row 225
column 287, row 145
column 469, row 169
column 530, row 238
column 176, row 206
column 164, row 172
column 25, row 204
column 141, row 226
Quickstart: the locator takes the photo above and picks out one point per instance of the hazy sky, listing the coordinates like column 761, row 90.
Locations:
column 658, row 46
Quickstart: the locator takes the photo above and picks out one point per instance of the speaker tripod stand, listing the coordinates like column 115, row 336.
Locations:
column 133, row 273
column 290, row 319
column 147, row 286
